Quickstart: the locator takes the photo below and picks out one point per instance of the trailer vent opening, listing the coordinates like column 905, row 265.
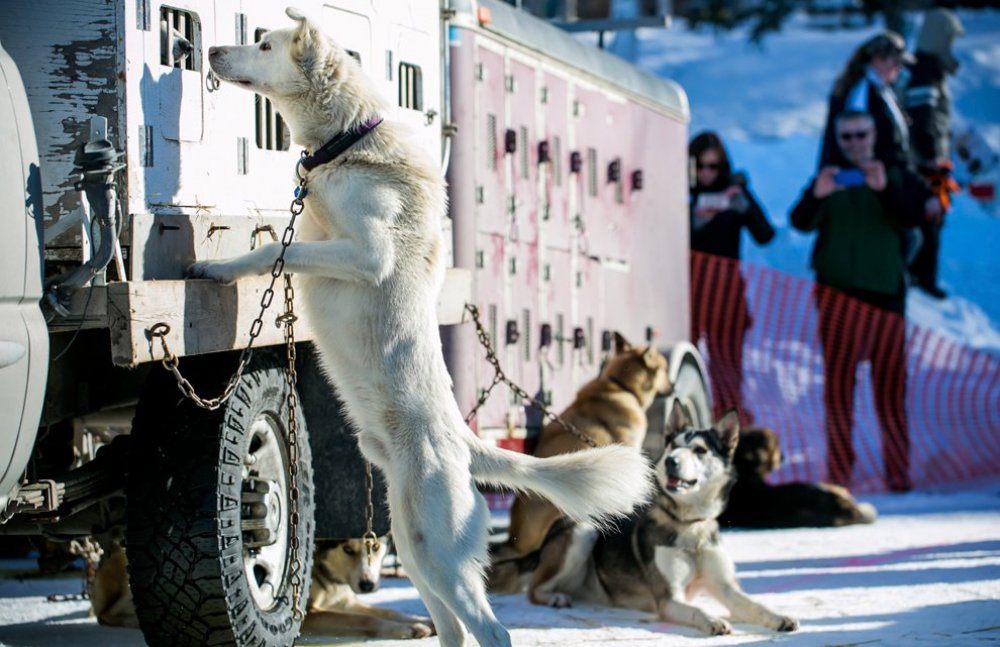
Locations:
column 180, row 39
column 411, row 90
column 271, row 132
column 491, row 142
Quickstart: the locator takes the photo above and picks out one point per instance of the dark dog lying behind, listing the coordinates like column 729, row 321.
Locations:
column 755, row 503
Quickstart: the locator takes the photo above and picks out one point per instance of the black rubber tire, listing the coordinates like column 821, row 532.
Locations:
column 184, row 542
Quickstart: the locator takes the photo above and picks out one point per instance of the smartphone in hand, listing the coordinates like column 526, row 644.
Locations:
column 849, row 178
column 717, row 201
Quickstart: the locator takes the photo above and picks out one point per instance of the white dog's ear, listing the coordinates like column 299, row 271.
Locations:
column 308, row 42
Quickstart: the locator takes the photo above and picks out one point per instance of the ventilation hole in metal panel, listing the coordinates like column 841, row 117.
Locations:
column 491, row 142
column 411, row 94
column 180, row 39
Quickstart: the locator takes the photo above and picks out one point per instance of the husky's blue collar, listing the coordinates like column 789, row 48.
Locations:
column 340, row 143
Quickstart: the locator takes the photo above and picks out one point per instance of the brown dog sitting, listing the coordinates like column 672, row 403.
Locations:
column 755, row 503
column 609, row 409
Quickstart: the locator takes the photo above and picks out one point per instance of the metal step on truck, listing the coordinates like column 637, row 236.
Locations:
column 124, row 160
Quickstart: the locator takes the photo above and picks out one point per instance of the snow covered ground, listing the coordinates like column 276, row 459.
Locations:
column 927, row 572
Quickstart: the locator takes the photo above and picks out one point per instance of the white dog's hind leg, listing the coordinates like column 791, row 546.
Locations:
column 450, row 631
column 446, row 542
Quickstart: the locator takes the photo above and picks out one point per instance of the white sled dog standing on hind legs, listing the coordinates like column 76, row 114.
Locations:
column 371, row 265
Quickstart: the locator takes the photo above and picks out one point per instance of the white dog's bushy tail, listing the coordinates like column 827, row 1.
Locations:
column 593, row 484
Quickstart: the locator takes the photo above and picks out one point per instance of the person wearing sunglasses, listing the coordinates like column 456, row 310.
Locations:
column 865, row 85
column 721, row 207
column 859, row 207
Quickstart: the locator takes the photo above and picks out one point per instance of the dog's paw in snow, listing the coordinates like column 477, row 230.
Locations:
column 787, row 623
column 560, row 601
column 719, row 627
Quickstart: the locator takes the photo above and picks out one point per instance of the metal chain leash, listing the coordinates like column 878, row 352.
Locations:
column 499, row 376
column 371, row 539
column 286, row 319
column 90, row 550
column 291, row 377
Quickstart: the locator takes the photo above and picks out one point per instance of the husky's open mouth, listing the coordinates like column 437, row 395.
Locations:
column 676, row 484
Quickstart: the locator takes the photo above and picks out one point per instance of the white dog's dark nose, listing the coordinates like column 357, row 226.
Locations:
column 366, row 586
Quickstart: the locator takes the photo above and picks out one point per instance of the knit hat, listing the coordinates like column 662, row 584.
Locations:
column 939, row 29
column 888, row 43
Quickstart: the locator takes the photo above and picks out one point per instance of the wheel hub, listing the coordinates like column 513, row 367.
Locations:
column 264, row 510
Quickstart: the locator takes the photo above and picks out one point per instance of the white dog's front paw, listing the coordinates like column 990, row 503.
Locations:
column 213, row 270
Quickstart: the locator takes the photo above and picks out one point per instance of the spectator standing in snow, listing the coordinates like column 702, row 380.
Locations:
column 865, row 85
column 928, row 103
column 859, row 205
column 721, row 206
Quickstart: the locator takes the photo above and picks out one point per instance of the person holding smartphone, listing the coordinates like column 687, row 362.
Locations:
column 721, row 207
column 859, row 206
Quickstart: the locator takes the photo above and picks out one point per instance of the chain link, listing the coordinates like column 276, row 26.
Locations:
column 499, row 376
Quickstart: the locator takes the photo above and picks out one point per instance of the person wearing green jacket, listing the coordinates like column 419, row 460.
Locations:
column 859, row 209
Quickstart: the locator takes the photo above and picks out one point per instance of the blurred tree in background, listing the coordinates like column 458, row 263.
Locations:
column 767, row 16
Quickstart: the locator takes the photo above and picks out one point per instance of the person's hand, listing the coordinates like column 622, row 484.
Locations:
column 933, row 209
column 705, row 213
column 875, row 176
column 824, row 184
column 733, row 191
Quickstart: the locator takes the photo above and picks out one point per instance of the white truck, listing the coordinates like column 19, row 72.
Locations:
column 124, row 160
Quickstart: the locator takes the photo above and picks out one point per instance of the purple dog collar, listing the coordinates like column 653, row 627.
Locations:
column 340, row 143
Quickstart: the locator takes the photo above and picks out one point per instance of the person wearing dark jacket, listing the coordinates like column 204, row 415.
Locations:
column 721, row 207
column 865, row 85
column 928, row 103
column 859, row 206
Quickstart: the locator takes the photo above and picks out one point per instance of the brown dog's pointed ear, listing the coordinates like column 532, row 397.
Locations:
column 729, row 430
column 621, row 344
column 678, row 418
